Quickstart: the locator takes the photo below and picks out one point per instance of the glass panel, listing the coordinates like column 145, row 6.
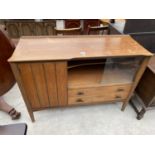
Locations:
column 120, row 70
column 109, row 71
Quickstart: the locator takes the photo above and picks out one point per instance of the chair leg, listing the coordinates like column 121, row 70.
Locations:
column 140, row 114
column 108, row 31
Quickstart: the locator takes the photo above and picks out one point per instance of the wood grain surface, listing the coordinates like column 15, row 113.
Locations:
column 79, row 47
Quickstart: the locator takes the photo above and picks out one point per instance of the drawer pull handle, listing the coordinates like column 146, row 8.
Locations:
column 79, row 100
column 118, row 97
column 120, row 89
column 80, row 93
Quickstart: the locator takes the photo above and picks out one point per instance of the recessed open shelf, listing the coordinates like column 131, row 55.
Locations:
column 78, row 63
column 88, row 73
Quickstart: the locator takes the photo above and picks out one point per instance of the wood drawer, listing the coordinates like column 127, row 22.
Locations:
column 98, row 94
column 93, row 99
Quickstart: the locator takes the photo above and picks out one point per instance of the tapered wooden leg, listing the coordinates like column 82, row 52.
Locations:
column 31, row 115
column 124, row 106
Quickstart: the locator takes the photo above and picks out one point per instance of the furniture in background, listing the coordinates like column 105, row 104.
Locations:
column 69, row 31
column 100, row 30
column 145, row 91
column 90, row 22
column 29, row 27
column 13, row 129
column 72, row 23
column 79, row 70
column 83, row 23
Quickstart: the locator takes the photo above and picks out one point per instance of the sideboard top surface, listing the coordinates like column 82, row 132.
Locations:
column 54, row 48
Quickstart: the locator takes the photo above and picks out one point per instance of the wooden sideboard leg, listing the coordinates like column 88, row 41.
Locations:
column 136, row 80
column 32, row 116
column 19, row 81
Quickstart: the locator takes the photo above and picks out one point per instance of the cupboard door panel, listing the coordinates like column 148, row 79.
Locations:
column 51, row 83
column 41, row 83
column 61, row 75
column 29, row 85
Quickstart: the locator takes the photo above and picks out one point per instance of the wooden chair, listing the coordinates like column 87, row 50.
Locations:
column 13, row 129
column 69, row 31
column 145, row 91
column 98, row 29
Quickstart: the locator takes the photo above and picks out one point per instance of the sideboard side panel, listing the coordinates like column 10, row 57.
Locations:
column 61, row 75
column 17, row 75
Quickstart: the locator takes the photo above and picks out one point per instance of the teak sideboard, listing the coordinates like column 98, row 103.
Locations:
column 77, row 70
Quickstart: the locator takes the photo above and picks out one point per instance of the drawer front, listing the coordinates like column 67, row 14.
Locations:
column 93, row 99
column 98, row 94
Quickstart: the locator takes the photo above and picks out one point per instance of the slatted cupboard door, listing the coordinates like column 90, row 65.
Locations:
column 39, row 83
